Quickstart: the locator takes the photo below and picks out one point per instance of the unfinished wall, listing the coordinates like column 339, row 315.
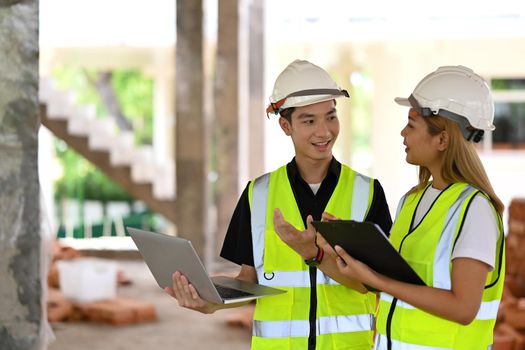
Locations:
column 20, row 286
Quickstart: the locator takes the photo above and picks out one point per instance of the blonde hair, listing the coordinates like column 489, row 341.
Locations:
column 461, row 162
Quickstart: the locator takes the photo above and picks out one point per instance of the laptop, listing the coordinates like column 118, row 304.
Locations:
column 366, row 242
column 165, row 254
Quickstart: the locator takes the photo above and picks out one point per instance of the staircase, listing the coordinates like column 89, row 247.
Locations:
column 99, row 141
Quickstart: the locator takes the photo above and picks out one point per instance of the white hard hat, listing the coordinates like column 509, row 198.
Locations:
column 302, row 83
column 456, row 93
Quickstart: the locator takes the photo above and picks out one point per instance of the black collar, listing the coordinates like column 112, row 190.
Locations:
column 334, row 169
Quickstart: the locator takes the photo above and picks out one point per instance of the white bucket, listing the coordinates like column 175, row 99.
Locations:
column 88, row 279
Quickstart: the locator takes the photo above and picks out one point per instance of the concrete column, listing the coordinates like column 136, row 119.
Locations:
column 239, row 106
column 20, row 269
column 256, row 115
column 190, row 142
column 226, row 93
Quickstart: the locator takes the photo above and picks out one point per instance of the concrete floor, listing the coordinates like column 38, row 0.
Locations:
column 176, row 328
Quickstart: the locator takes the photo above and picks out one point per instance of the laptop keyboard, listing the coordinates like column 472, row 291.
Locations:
column 228, row 293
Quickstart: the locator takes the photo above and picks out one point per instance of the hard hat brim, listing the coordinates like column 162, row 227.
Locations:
column 403, row 101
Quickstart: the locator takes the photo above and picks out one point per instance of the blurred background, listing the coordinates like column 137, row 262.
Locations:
column 117, row 63
column 153, row 111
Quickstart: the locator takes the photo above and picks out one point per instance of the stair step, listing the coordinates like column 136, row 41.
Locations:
column 143, row 168
column 102, row 134
column 60, row 104
column 121, row 151
column 81, row 119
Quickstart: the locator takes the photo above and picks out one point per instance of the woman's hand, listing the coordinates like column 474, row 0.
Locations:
column 355, row 269
column 187, row 295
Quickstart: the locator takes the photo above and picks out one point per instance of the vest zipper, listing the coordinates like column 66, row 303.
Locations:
column 389, row 324
column 312, row 336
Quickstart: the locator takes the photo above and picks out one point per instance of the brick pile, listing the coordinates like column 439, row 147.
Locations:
column 510, row 326
column 115, row 311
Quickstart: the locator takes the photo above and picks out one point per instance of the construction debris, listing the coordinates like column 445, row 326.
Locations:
column 114, row 311
column 509, row 333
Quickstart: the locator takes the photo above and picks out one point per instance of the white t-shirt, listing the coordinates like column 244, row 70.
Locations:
column 479, row 234
column 315, row 187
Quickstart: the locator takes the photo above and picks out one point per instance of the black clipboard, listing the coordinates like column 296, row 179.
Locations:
column 366, row 242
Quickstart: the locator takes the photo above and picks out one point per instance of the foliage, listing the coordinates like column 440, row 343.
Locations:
column 83, row 180
column 135, row 95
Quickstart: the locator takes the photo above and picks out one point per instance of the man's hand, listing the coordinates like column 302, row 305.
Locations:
column 328, row 217
column 303, row 242
column 187, row 295
column 321, row 242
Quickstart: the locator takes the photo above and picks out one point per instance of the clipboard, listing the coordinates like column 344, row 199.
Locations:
column 366, row 242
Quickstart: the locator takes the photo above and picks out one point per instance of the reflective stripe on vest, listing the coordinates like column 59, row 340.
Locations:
column 441, row 266
column 381, row 344
column 258, row 219
column 360, row 196
column 301, row 328
column 413, row 326
column 295, row 279
column 353, row 193
column 487, row 310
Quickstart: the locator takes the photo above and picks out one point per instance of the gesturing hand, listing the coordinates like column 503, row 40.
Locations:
column 303, row 242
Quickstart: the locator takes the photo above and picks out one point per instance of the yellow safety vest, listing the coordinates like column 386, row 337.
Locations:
column 344, row 316
column 428, row 249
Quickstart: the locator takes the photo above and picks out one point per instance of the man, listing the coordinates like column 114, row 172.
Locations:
column 270, row 235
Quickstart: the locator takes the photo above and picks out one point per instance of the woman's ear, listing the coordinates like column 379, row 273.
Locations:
column 443, row 141
column 285, row 125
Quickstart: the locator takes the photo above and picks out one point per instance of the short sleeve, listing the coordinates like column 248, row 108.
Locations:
column 379, row 212
column 479, row 235
column 237, row 246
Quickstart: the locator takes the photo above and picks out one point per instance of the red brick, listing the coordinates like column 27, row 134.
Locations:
column 243, row 318
column 58, row 307
column 507, row 330
column 515, row 317
column 143, row 312
column 517, row 209
column 503, row 342
column 118, row 311
column 52, row 276
column 516, row 227
column 123, row 279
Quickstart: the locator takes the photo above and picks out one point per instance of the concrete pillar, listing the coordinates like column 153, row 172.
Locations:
column 190, row 142
column 226, row 94
column 20, row 268
column 256, row 115
column 239, row 106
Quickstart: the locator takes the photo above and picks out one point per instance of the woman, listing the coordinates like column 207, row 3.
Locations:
column 448, row 227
